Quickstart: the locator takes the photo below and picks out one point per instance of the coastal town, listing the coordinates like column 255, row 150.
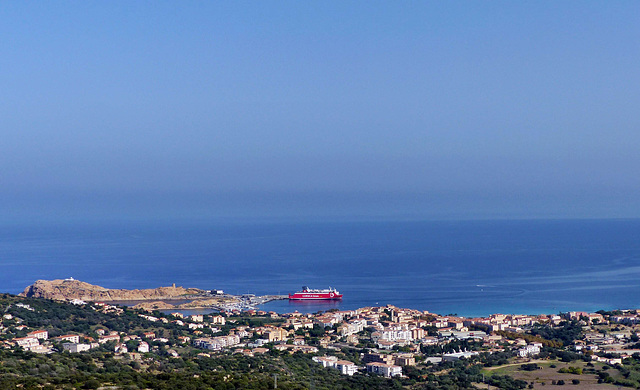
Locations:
column 386, row 342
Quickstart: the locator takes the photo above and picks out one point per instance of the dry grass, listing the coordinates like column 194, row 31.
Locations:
column 543, row 377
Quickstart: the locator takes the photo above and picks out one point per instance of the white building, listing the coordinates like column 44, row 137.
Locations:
column 530, row 350
column 74, row 338
column 121, row 348
column 216, row 343
column 75, row 347
column 40, row 349
column 326, row 361
column 39, row 334
column 143, row 347
column 388, row 370
column 395, row 333
column 352, row 327
column 107, row 338
column 450, row 357
column 346, row 367
column 26, row 342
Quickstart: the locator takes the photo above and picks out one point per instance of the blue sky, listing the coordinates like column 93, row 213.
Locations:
column 320, row 109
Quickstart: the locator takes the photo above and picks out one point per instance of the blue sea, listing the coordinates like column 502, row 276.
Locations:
column 465, row 267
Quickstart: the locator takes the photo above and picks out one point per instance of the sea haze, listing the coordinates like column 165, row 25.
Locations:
column 465, row 267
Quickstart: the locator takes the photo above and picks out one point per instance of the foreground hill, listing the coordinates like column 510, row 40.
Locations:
column 74, row 289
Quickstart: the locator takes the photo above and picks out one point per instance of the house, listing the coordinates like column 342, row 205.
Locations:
column 173, row 353
column 121, row 348
column 450, row 357
column 387, row 370
column 345, row 367
column 107, row 338
column 40, row 349
column 304, row 349
column 326, row 361
column 143, row 347
column 74, row 338
column 352, row 327
column 75, row 347
column 530, row 350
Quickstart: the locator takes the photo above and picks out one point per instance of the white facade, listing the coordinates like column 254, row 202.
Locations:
column 388, row 370
column 530, row 350
column 392, row 334
column 143, row 347
column 39, row 334
column 326, row 361
column 40, row 349
column 216, row 343
column 75, row 347
column 352, row 327
column 121, row 348
column 26, row 342
column 111, row 337
column 74, row 338
column 346, row 367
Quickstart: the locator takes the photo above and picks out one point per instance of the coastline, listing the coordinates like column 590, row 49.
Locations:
column 203, row 301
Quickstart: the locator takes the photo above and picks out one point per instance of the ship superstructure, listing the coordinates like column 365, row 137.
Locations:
column 312, row 294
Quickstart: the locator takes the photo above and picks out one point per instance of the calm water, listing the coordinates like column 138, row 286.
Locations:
column 469, row 268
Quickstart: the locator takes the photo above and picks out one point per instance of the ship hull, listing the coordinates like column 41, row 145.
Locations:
column 302, row 296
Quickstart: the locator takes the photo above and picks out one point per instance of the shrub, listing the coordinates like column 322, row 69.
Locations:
column 91, row 384
column 529, row 367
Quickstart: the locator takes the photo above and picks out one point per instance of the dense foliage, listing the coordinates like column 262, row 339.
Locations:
column 566, row 333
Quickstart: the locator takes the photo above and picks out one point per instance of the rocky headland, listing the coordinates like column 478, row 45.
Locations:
column 68, row 289
column 161, row 298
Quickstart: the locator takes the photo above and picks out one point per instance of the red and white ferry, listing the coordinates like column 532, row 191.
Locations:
column 310, row 294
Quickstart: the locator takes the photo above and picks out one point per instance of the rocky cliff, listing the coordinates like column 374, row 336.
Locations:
column 74, row 289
